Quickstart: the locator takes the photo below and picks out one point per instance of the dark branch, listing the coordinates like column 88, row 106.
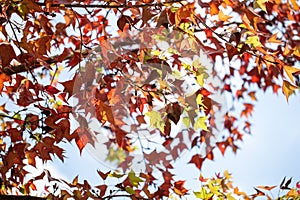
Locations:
column 15, row 69
column 15, row 197
column 111, row 6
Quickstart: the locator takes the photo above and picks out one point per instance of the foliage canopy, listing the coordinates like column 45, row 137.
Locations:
column 148, row 78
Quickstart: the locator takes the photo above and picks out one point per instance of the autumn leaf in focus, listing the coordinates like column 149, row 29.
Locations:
column 7, row 54
column 179, row 188
column 3, row 79
column 288, row 89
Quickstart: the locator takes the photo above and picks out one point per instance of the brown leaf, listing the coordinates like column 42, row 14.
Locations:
column 231, row 51
column 258, row 193
column 7, row 54
column 267, row 187
column 103, row 175
column 197, row 160
column 174, row 111
column 51, row 90
column 163, row 19
column 141, row 119
column 123, row 20
column 102, row 189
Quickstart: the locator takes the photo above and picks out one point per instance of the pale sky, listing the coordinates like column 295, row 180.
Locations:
column 265, row 157
column 271, row 152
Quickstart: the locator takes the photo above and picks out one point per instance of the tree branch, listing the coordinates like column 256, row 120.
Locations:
column 15, row 69
column 15, row 197
column 111, row 6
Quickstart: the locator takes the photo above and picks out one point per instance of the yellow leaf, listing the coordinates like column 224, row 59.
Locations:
column 214, row 188
column 200, row 123
column 203, row 194
column 186, row 121
column 163, row 84
column 297, row 51
column 288, row 89
column 292, row 193
column 240, row 193
column 223, row 17
column 260, row 4
column 230, row 197
column 156, row 120
column 75, row 181
column 254, row 41
column 227, row 175
column 200, row 79
column 156, row 52
column 273, row 39
column 289, row 71
column 199, row 100
column 295, row 5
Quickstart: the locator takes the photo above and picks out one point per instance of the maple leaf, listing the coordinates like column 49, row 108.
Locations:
column 267, row 187
column 179, row 188
column 156, row 120
column 123, row 20
column 3, row 79
column 231, row 50
column 134, row 180
column 213, row 8
column 103, row 175
column 273, row 39
column 290, row 71
column 130, row 73
column 223, row 17
column 174, row 111
column 102, row 189
column 201, row 123
column 222, row 147
column 51, row 90
column 82, row 136
column 7, row 54
column 288, row 89
column 197, row 160
column 254, row 41
column 260, row 4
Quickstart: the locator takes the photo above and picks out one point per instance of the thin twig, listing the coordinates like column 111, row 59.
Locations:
column 110, row 6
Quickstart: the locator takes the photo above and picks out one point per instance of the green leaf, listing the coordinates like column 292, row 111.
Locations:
column 116, row 175
column 115, row 155
column 200, row 123
column 134, row 180
column 129, row 190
